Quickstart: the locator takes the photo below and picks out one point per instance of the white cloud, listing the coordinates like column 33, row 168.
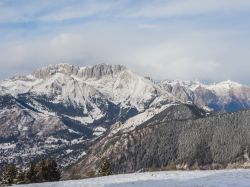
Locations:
column 131, row 35
column 148, row 26
column 198, row 56
column 78, row 11
column 60, row 10
column 189, row 7
column 22, row 12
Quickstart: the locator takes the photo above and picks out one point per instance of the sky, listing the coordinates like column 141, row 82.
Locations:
column 206, row 40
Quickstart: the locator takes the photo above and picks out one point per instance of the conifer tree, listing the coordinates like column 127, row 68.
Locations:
column 31, row 173
column 40, row 169
column 9, row 174
column 47, row 170
column 105, row 168
column 53, row 171
column 21, row 178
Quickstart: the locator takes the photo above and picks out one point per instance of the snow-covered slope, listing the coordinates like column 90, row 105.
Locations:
column 225, row 96
column 82, row 103
column 105, row 94
column 214, row 178
column 26, row 134
column 89, row 92
column 137, row 120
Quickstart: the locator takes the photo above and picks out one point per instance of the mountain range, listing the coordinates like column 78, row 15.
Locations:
column 63, row 111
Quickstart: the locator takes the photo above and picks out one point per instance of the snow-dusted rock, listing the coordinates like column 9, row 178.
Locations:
column 72, row 105
column 59, row 107
column 227, row 96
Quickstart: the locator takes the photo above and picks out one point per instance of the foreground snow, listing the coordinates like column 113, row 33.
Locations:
column 221, row 178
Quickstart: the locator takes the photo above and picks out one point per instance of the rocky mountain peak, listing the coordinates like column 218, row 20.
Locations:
column 96, row 71
column 52, row 69
column 100, row 70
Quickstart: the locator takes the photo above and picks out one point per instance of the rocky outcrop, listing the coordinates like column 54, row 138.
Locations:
column 96, row 72
column 48, row 71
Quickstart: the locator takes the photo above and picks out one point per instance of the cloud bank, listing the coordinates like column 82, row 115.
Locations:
column 186, row 39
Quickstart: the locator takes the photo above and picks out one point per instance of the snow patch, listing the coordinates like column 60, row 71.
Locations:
column 7, row 146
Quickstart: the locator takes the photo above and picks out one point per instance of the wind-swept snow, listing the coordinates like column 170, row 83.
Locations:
column 219, row 178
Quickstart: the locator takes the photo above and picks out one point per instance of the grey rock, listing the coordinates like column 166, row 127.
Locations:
column 97, row 71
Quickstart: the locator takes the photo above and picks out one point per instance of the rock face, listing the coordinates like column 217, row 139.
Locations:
column 96, row 72
column 198, row 142
column 61, row 109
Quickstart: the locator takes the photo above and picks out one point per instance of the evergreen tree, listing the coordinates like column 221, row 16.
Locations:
column 9, row 174
column 53, row 171
column 40, row 169
column 105, row 168
column 31, row 173
column 21, row 179
column 47, row 170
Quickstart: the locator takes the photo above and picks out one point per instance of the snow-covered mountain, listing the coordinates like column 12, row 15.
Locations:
column 227, row 96
column 57, row 110
column 88, row 94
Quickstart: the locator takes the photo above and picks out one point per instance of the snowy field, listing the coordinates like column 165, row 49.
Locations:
column 221, row 178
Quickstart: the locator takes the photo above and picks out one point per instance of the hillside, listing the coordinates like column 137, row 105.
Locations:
column 190, row 142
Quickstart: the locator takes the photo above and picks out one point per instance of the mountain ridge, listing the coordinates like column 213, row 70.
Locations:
column 89, row 101
column 96, row 71
column 190, row 142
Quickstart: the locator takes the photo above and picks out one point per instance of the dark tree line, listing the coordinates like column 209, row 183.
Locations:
column 42, row 171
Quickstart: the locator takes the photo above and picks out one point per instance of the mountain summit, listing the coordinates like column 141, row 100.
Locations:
column 97, row 71
column 60, row 108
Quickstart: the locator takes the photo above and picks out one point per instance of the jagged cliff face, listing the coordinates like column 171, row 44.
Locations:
column 59, row 110
column 95, row 72
column 190, row 141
